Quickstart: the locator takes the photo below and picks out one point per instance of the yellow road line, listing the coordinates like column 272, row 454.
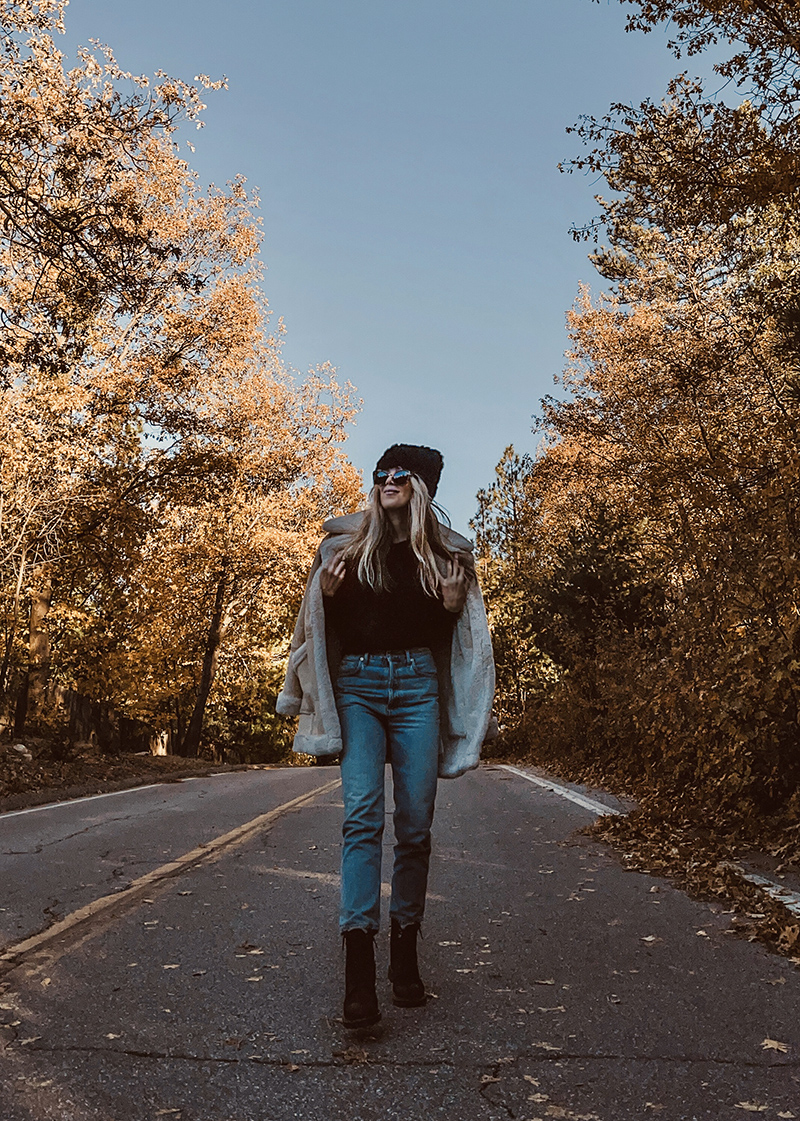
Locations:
column 12, row 955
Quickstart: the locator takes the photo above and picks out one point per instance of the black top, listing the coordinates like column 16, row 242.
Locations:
column 400, row 618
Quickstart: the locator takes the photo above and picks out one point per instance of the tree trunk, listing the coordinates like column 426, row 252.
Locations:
column 220, row 621
column 13, row 625
column 31, row 700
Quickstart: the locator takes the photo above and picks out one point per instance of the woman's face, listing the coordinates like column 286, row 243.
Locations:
column 395, row 496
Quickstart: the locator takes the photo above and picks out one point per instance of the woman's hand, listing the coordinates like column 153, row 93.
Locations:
column 454, row 586
column 331, row 575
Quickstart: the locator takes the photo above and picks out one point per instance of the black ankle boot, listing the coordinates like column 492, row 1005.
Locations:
column 407, row 987
column 360, row 999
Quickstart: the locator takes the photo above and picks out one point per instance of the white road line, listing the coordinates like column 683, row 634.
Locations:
column 789, row 899
column 88, row 798
column 112, row 794
column 14, row 954
column 562, row 791
column 782, row 894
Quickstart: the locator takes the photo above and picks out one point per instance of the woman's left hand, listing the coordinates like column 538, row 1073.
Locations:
column 454, row 586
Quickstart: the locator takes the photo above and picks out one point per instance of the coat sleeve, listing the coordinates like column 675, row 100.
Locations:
column 291, row 695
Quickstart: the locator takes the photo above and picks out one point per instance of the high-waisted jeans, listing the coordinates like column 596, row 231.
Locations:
column 387, row 701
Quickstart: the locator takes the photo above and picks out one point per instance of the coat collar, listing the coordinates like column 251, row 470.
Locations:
column 349, row 523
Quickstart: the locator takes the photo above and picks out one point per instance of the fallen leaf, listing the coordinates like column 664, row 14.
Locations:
column 751, row 1107
column 449, row 943
column 650, row 938
column 538, row 1097
column 531, row 1079
column 465, row 971
column 546, row 1046
column 487, row 1078
column 255, row 951
column 786, row 1114
column 200, row 972
column 555, row 1008
column 293, row 1067
column 184, row 893
column 258, row 977
column 170, row 967
column 549, row 981
column 164, row 1112
column 774, row 1045
column 776, row 981
column 113, row 1035
column 703, row 933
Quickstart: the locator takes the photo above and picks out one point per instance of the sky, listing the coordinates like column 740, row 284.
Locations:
column 416, row 226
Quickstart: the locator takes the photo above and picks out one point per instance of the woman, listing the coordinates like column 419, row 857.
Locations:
column 391, row 660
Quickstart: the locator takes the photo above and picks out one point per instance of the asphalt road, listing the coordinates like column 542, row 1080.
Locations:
column 566, row 986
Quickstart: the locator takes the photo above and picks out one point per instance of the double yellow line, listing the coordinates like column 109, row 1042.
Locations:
column 80, row 921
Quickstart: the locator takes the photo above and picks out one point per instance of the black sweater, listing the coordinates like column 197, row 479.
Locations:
column 400, row 618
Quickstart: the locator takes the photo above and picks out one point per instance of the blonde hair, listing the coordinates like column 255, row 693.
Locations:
column 370, row 543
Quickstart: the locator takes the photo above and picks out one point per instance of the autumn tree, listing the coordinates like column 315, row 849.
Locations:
column 663, row 510
column 163, row 472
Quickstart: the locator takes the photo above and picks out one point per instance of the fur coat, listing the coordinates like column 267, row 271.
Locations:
column 466, row 669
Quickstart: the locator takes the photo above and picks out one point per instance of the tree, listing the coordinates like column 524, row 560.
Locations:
column 662, row 513
column 164, row 472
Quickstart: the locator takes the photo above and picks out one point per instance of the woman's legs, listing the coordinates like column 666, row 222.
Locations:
column 398, row 696
column 363, row 762
column 414, row 741
column 359, row 702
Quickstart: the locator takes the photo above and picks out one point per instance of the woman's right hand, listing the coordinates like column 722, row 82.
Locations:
column 331, row 575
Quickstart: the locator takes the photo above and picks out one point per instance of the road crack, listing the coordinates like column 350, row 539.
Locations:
column 492, row 1073
column 336, row 1062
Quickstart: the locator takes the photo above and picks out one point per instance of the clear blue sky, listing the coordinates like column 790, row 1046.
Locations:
column 415, row 223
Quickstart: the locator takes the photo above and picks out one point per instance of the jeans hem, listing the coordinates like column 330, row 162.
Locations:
column 358, row 926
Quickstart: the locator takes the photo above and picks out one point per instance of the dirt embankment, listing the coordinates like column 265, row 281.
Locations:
column 36, row 777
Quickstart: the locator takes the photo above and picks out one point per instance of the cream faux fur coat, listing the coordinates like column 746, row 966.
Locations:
column 466, row 670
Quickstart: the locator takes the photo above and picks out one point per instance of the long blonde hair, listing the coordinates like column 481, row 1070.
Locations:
column 370, row 543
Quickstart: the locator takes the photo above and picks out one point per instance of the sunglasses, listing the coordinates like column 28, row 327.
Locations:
column 397, row 475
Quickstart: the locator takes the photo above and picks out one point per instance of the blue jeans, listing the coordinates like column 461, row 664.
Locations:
column 387, row 700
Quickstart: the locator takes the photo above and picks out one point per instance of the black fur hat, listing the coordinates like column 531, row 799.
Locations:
column 425, row 462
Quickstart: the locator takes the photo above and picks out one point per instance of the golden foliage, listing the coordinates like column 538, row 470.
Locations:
column 659, row 589
column 164, row 475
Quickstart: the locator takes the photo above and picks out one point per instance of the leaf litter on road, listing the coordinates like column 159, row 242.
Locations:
column 775, row 1045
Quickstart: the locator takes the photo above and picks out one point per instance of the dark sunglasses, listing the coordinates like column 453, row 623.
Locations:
column 399, row 476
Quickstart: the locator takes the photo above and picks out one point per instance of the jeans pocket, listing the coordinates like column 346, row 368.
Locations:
column 350, row 666
column 424, row 665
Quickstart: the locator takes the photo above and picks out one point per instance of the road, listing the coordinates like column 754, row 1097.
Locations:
column 565, row 986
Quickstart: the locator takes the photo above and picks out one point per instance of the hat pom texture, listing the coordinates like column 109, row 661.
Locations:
column 425, row 462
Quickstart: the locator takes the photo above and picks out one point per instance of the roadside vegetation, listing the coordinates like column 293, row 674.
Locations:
column 163, row 473
column 643, row 569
